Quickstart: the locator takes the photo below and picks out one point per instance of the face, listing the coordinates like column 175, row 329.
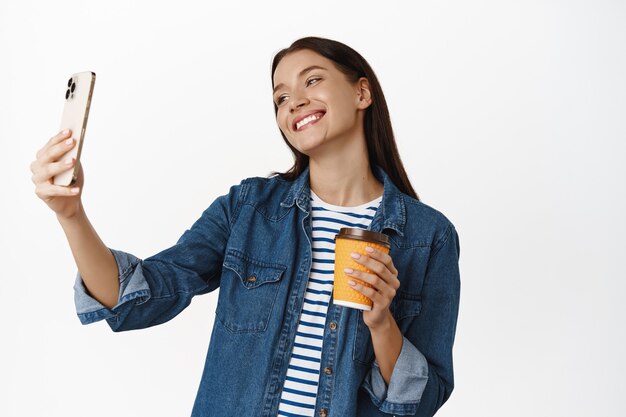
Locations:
column 317, row 105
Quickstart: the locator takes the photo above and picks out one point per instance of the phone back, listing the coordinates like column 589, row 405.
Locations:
column 78, row 94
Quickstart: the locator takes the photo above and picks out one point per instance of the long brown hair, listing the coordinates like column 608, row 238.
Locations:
column 381, row 145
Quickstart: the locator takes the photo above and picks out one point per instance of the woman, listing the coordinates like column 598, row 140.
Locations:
column 280, row 346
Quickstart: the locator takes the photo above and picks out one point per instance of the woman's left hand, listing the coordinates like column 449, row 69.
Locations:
column 384, row 281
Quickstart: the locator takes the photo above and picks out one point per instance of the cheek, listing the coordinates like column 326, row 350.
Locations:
column 281, row 120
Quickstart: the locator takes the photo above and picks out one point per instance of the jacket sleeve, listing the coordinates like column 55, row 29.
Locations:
column 156, row 289
column 422, row 379
column 409, row 376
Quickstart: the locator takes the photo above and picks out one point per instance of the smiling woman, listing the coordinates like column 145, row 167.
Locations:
column 280, row 345
column 317, row 108
column 312, row 62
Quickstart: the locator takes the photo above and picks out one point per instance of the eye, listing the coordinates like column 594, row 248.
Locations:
column 312, row 79
column 280, row 99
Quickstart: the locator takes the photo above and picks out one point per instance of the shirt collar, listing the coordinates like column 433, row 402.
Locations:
column 392, row 213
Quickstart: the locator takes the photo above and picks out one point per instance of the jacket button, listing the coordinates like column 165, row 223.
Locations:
column 323, row 412
column 333, row 325
column 251, row 279
column 328, row 371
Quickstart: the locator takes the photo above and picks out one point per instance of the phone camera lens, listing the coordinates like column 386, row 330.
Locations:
column 67, row 94
column 69, row 82
column 73, row 87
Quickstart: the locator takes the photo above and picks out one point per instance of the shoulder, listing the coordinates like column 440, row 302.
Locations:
column 263, row 193
column 259, row 189
column 426, row 225
column 255, row 188
column 264, row 182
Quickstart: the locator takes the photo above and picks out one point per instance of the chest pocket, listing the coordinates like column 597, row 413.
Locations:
column 248, row 291
column 404, row 308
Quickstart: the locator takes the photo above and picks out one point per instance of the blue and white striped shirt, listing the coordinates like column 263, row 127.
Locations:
column 299, row 392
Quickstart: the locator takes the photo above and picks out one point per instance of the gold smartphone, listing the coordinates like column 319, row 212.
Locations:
column 78, row 94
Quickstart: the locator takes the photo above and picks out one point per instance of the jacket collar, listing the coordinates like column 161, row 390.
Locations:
column 392, row 214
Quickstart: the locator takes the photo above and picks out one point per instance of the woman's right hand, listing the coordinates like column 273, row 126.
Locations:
column 64, row 201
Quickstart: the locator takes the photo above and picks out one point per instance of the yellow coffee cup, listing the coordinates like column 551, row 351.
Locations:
column 350, row 240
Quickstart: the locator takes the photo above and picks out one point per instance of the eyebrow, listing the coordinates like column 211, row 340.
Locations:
column 304, row 71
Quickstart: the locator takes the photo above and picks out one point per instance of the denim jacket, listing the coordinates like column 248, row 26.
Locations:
column 262, row 229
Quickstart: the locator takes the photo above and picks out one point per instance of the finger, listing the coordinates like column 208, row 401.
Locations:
column 48, row 190
column 44, row 173
column 59, row 137
column 57, row 144
column 376, row 296
column 382, row 257
column 391, row 279
column 56, row 152
column 34, row 166
column 379, row 284
column 372, row 279
column 373, row 265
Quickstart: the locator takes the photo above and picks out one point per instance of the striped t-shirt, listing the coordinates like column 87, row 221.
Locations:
column 299, row 392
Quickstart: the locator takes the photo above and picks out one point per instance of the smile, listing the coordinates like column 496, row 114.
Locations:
column 309, row 120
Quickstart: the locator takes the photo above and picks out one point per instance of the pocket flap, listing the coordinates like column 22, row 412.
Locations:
column 252, row 272
column 405, row 305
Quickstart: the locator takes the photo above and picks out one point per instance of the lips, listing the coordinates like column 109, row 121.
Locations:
column 318, row 113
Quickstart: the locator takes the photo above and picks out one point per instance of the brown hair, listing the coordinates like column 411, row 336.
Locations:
column 381, row 145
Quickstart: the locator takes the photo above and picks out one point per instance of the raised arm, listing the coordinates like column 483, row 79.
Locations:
column 94, row 260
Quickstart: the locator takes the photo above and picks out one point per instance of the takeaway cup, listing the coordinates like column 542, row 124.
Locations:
column 350, row 240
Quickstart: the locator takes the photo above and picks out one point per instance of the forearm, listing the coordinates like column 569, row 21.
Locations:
column 387, row 342
column 93, row 258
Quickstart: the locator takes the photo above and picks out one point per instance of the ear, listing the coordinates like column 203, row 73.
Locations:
column 364, row 95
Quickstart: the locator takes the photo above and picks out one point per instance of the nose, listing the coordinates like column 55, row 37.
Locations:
column 297, row 102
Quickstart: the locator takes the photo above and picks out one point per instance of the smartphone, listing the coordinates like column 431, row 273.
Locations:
column 78, row 93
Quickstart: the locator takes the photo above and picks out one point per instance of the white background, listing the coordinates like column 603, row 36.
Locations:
column 509, row 117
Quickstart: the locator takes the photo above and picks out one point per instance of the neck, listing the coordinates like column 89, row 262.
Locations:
column 343, row 177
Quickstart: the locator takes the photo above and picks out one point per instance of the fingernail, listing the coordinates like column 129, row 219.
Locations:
column 75, row 190
column 352, row 283
column 68, row 161
column 355, row 255
column 66, row 131
column 348, row 270
column 370, row 250
column 69, row 141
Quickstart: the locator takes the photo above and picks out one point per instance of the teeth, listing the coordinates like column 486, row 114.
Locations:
column 307, row 120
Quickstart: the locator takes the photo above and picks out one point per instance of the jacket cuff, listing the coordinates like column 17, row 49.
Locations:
column 133, row 286
column 407, row 384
